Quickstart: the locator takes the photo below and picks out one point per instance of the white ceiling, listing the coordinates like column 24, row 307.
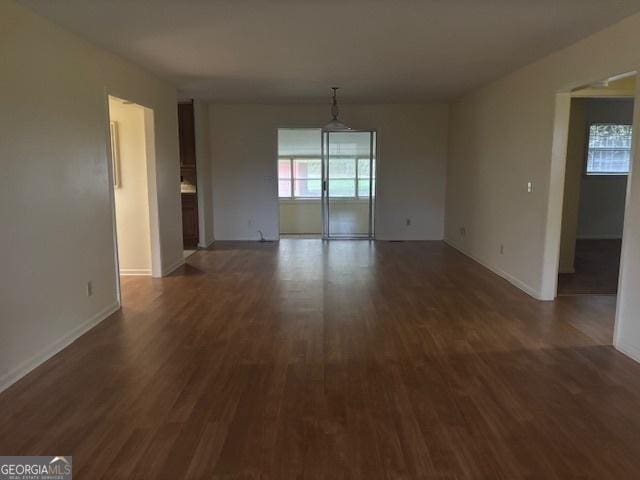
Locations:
column 294, row 50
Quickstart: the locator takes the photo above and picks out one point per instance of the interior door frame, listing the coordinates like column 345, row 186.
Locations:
column 151, row 181
column 373, row 154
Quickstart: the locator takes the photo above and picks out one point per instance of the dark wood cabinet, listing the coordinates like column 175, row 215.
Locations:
column 187, row 135
column 188, row 175
column 190, row 220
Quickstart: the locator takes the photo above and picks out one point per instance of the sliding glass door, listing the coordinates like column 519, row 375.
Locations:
column 348, row 183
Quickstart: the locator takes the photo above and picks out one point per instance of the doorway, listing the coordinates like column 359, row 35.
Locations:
column 300, row 182
column 326, row 183
column 132, row 163
column 597, row 165
column 188, row 178
column 348, row 184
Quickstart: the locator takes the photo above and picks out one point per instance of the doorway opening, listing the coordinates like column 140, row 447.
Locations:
column 132, row 149
column 188, row 178
column 348, row 194
column 300, row 182
column 598, row 159
column 326, row 183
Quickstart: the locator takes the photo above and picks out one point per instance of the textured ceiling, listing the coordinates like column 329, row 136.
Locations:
column 293, row 50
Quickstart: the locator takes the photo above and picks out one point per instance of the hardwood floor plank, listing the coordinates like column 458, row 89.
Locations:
column 341, row 360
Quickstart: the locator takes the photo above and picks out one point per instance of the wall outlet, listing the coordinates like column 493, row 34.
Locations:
column 463, row 231
column 529, row 187
column 408, row 222
column 89, row 288
column 501, row 249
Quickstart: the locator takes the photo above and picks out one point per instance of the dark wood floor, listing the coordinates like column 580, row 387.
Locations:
column 597, row 266
column 347, row 360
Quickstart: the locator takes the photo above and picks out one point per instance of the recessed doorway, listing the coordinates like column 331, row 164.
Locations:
column 132, row 154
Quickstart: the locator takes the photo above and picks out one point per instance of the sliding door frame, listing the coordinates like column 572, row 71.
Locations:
column 373, row 177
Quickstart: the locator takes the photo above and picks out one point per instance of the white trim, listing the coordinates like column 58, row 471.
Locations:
column 135, row 271
column 255, row 239
column 393, row 238
column 57, row 346
column 630, row 351
column 207, row 245
column 555, row 197
column 501, row 273
column 629, row 241
column 172, row 267
column 566, row 270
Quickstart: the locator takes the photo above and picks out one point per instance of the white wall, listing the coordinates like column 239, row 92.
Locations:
column 203, row 168
column 131, row 194
column 348, row 216
column 513, row 131
column 601, row 213
column 300, row 216
column 502, row 137
column 411, row 168
column 54, row 189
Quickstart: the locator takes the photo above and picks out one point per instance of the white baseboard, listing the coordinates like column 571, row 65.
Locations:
column 174, row 266
column 245, row 239
column 200, row 245
column 135, row 271
column 385, row 238
column 529, row 290
column 57, row 346
column 629, row 350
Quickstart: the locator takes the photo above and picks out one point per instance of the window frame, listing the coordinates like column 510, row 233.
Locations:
column 586, row 171
column 292, row 179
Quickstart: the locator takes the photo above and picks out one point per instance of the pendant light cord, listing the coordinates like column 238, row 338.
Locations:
column 334, row 107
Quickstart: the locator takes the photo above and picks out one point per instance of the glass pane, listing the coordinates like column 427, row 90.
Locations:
column 363, row 188
column 350, row 144
column 284, row 169
column 608, row 161
column 342, row 168
column 342, row 187
column 349, row 153
column 307, row 168
column 284, row 188
column 299, row 141
column 363, row 168
column 307, row 188
column 610, row 136
column 609, row 149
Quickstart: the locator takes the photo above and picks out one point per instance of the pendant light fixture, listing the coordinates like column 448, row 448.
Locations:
column 335, row 124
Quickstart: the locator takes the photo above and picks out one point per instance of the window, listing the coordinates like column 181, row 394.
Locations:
column 302, row 177
column 299, row 178
column 284, row 178
column 363, row 178
column 609, row 149
column 342, row 177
